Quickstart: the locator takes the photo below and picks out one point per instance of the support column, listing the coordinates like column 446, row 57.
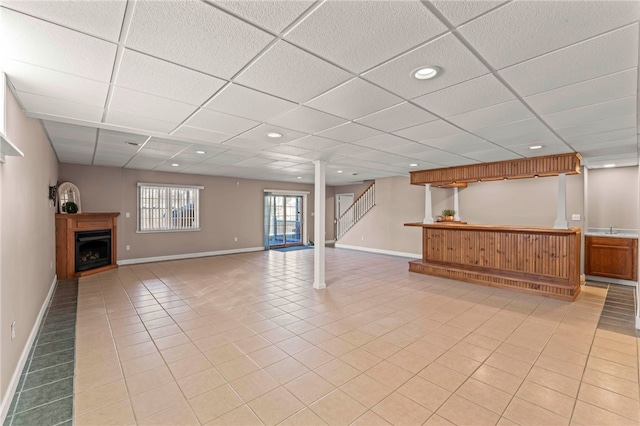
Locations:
column 456, row 204
column 428, row 209
column 319, row 225
column 561, row 215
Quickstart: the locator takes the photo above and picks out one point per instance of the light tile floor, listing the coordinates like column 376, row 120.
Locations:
column 245, row 340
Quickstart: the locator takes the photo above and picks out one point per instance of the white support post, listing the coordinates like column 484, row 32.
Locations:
column 319, row 225
column 428, row 213
column 456, row 204
column 561, row 215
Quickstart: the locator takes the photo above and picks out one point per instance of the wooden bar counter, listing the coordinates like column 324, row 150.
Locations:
column 537, row 260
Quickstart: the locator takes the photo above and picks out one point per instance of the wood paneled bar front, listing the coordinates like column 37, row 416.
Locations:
column 537, row 260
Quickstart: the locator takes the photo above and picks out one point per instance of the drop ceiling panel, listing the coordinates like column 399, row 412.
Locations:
column 457, row 62
column 385, row 158
column 349, row 132
column 397, row 117
column 248, row 103
column 273, row 15
column 492, row 116
column 253, row 162
column 525, row 29
column 110, row 161
column 406, row 149
column 145, row 163
column 586, row 146
column 37, row 42
column 601, row 89
column 220, row 122
column 525, row 131
column 288, row 150
column 57, row 108
column 353, row 99
column 458, row 139
column 229, row 157
column 157, row 147
column 590, row 113
column 304, row 77
column 57, row 130
column 165, row 28
column 381, row 141
column 194, row 152
column 349, row 30
column 446, row 158
column 260, row 134
column 495, row 154
column 201, row 135
column 462, row 11
column 424, row 132
column 315, row 143
column 602, row 137
column 615, row 51
column 598, row 126
column 307, row 120
column 113, row 137
column 133, row 121
column 480, row 92
column 161, row 78
column 33, row 79
column 132, row 102
column 249, row 144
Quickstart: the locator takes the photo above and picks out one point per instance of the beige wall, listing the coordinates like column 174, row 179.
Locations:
column 229, row 208
column 613, row 198
column 27, row 235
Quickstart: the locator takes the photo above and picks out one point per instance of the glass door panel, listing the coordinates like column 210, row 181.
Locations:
column 285, row 221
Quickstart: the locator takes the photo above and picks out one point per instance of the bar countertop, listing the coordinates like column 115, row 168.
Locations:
column 506, row 228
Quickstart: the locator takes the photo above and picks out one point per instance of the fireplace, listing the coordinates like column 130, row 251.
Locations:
column 93, row 249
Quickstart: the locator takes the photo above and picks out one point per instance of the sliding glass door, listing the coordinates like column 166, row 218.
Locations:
column 283, row 220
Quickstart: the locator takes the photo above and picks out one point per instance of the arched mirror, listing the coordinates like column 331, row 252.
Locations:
column 68, row 192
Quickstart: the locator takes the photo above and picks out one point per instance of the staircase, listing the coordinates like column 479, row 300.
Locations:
column 356, row 211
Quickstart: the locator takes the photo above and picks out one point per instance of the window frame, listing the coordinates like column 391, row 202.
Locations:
column 167, row 207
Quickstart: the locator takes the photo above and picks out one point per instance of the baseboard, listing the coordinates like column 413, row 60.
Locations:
column 15, row 379
column 380, row 251
column 187, row 256
column 611, row 280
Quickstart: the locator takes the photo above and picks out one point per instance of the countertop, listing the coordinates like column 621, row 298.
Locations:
column 617, row 233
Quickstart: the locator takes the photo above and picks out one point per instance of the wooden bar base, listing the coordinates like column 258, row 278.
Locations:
column 534, row 260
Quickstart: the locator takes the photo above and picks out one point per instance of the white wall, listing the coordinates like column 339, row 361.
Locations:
column 613, row 198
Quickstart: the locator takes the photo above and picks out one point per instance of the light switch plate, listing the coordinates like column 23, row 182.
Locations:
column 575, row 216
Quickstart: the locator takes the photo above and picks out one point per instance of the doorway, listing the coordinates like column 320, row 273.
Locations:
column 343, row 202
column 284, row 224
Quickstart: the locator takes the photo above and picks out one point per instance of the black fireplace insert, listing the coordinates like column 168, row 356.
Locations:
column 93, row 249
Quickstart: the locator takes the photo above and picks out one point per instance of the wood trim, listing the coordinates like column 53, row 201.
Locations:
column 550, row 165
column 66, row 227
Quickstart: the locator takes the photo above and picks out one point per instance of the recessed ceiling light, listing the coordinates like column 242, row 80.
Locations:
column 299, row 177
column 426, row 73
column 608, row 166
column 132, row 143
column 413, row 165
column 535, row 147
column 175, row 164
column 339, row 171
column 201, row 152
column 274, row 135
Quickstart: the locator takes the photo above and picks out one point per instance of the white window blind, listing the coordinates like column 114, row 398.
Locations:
column 163, row 208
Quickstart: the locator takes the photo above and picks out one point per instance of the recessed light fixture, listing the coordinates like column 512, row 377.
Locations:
column 426, row 73
column 274, row 135
column 201, row 152
column 535, row 147
column 339, row 171
column 175, row 164
column 132, row 143
column 299, row 177
column 413, row 165
column 608, row 166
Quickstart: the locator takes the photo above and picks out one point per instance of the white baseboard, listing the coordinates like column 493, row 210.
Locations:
column 187, row 256
column 611, row 280
column 380, row 251
column 15, row 379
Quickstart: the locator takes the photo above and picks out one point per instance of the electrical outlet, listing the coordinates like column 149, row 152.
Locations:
column 235, row 239
column 575, row 216
column 127, row 247
column 13, row 330
column 362, row 238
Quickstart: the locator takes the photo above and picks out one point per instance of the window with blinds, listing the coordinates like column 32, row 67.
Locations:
column 166, row 208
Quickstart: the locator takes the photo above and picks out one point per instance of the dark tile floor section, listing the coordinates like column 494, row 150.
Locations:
column 619, row 311
column 45, row 392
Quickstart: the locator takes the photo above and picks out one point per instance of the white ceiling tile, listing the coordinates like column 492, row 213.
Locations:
column 248, row 103
column 287, row 149
column 601, row 89
column 315, row 143
column 525, row 29
column 463, row 10
column 69, row 131
column 381, row 141
column 37, row 42
column 445, row 158
column 132, row 102
column 220, row 122
column 478, row 93
column 307, row 120
column 110, row 161
column 165, row 28
column 102, row 18
column 168, row 166
column 201, row 135
column 304, row 77
column 458, row 139
column 229, row 157
column 133, row 121
column 582, row 146
column 349, row 30
column 161, row 78
column 603, row 136
column 590, row 113
column 397, row 117
column 490, row 155
column 75, row 158
column 630, row 150
column 158, row 146
column 349, row 132
column 353, row 99
column 193, row 153
column 608, row 53
column 260, row 133
column 272, row 15
column 57, row 108
column 434, row 129
column 386, row 158
column 118, row 138
column 254, row 162
column 457, row 62
column 519, row 132
column 144, row 163
column 33, row 79
column 250, row 144
column 407, row 149
column 492, row 116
